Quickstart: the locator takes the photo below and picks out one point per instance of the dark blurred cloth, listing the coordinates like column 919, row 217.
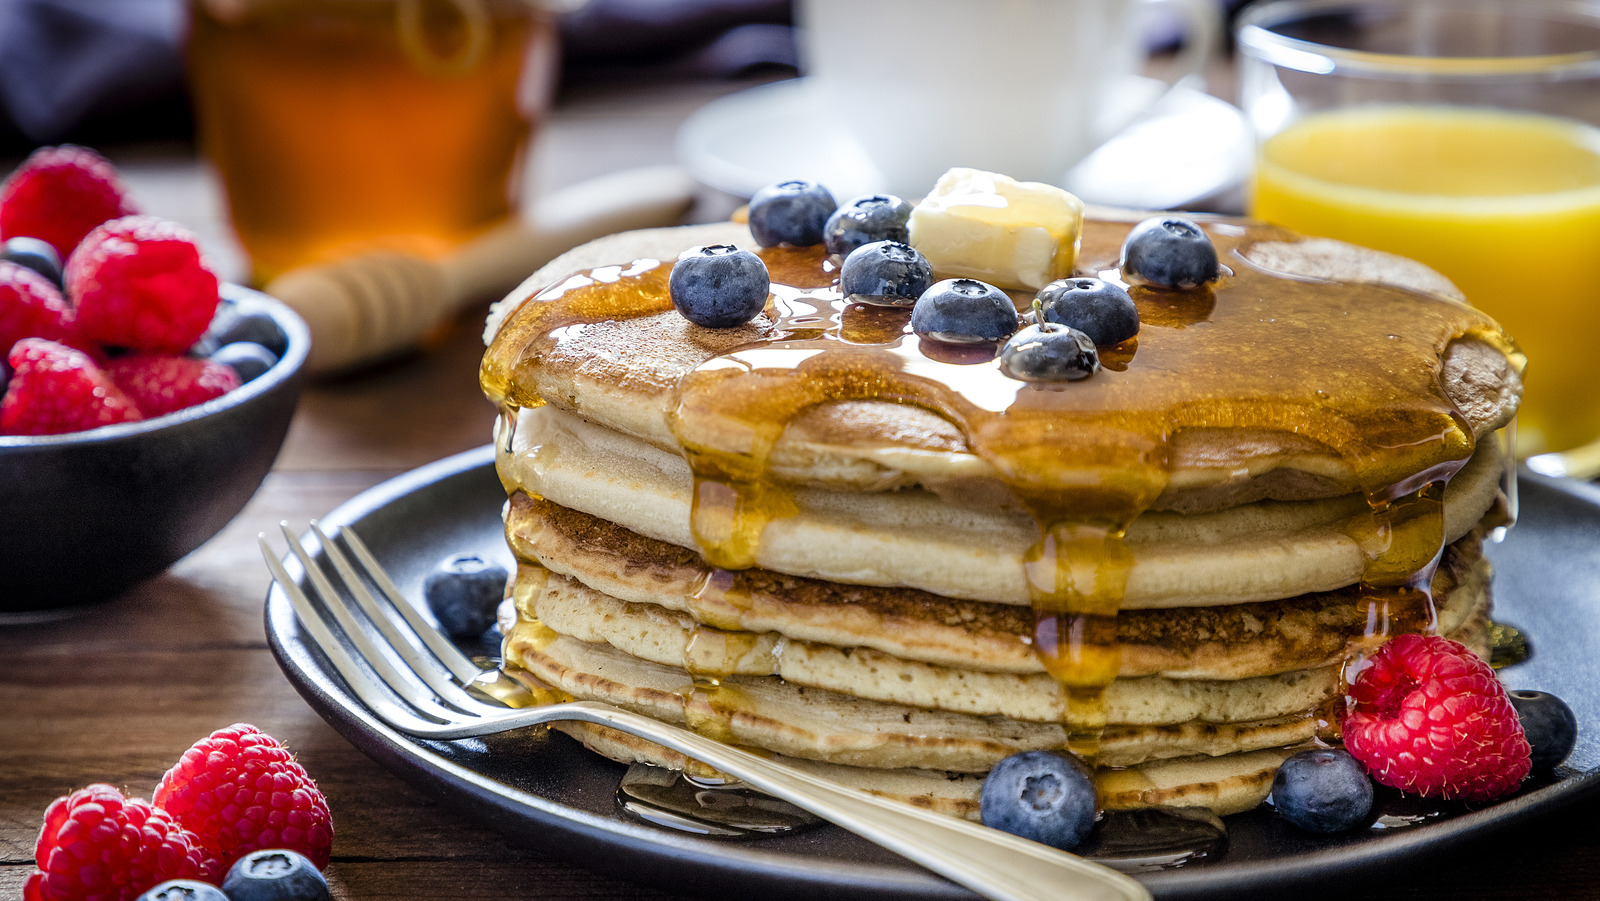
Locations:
column 83, row 69
column 713, row 38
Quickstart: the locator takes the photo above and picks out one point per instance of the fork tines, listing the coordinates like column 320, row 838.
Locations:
column 395, row 661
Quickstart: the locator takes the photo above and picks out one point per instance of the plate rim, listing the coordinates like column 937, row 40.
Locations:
column 695, row 863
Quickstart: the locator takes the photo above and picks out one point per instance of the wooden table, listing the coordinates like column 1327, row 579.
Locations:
column 117, row 691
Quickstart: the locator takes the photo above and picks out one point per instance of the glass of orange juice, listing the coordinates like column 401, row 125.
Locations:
column 339, row 126
column 1461, row 133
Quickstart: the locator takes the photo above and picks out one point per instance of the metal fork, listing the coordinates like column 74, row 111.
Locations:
column 417, row 681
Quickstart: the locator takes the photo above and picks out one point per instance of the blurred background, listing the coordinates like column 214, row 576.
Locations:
column 115, row 76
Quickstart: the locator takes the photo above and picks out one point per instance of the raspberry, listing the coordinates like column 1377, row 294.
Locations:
column 97, row 845
column 240, row 791
column 140, row 282
column 162, row 384
column 1430, row 718
column 58, row 194
column 31, row 307
column 55, row 389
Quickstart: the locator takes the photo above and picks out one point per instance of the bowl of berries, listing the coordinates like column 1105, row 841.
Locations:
column 141, row 400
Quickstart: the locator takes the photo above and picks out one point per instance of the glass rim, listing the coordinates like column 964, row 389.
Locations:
column 1256, row 38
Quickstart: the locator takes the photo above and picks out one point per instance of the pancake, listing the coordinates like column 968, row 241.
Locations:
column 858, row 445
column 1224, row 785
column 1260, row 551
column 771, row 714
column 822, row 536
column 1230, row 642
column 656, row 634
column 859, row 742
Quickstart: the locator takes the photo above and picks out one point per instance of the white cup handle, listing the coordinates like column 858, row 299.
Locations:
column 1201, row 41
column 1141, row 95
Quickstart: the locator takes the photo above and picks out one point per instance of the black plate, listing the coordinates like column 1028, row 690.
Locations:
column 546, row 791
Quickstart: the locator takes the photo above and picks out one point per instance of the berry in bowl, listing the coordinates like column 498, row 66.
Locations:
column 141, row 402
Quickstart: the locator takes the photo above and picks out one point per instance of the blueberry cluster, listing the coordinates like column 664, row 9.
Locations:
column 250, row 343
column 1073, row 317
column 803, row 213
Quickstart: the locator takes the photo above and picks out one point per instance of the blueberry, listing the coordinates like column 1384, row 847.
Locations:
column 247, row 358
column 1550, row 725
column 964, row 310
column 888, row 273
column 871, row 217
column 184, row 890
column 275, row 875
column 790, row 212
column 719, row 285
column 40, row 256
column 463, row 591
column 1169, row 252
column 1323, row 790
column 1046, row 796
column 231, row 326
column 1098, row 308
column 1051, row 353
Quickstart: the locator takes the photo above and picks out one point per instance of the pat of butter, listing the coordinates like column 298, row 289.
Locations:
column 1013, row 234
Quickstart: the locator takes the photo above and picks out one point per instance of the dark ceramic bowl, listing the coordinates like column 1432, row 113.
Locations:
column 84, row 516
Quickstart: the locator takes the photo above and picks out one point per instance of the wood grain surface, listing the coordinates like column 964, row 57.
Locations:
column 115, row 692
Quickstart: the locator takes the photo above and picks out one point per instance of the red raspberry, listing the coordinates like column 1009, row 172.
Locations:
column 55, row 389
column 97, row 845
column 162, row 384
column 31, row 307
column 241, row 791
column 1430, row 718
column 58, row 194
column 140, row 282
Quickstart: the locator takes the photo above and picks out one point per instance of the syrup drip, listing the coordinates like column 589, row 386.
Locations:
column 706, row 807
column 1508, row 645
column 510, row 684
column 1255, row 352
column 1155, row 838
column 711, row 656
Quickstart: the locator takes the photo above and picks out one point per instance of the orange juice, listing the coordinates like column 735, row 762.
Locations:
column 340, row 125
column 1506, row 205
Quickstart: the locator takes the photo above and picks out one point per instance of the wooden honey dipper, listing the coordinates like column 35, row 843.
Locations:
column 370, row 306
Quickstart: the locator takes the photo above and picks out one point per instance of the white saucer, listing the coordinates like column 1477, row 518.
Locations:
column 1190, row 151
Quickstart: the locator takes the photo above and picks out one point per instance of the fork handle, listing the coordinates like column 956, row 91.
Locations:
column 992, row 863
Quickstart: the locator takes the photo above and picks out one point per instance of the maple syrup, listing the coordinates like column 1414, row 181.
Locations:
column 339, row 125
column 711, row 807
column 1254, row 351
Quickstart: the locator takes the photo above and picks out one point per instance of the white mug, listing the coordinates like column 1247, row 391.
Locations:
column 1022, row 87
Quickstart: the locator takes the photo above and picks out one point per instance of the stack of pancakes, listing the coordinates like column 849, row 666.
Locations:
column 816, row 536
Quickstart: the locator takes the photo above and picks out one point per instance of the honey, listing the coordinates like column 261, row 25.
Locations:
column 340, row 125
column 1255, row 351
